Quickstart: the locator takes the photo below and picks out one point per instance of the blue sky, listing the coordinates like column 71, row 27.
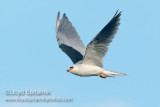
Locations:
column 30, row 57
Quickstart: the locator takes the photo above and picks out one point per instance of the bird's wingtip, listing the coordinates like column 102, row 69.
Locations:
column 58, row 21
column 117, row 13
column 58, row 15
column 64, row 14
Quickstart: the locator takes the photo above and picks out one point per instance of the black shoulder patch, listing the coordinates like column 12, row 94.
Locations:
column 72, row 53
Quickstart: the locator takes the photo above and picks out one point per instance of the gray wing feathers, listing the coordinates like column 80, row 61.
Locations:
column 98, row 47
column 69, row 40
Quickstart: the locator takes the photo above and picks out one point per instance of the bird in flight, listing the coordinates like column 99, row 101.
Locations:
column 87, row 61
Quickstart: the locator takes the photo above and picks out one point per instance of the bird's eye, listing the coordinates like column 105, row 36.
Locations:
column 71, row 67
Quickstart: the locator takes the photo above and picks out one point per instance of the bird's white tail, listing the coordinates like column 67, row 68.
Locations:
column 112, row 74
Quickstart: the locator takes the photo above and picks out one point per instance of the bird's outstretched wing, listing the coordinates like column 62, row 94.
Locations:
column 98, row 47
column 68, row 39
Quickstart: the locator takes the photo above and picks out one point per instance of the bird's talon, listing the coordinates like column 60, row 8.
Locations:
column 102, row 75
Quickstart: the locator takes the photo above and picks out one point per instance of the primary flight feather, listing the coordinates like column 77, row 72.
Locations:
column 87, row 61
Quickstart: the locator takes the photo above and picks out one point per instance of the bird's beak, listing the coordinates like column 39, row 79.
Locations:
column 67, row 70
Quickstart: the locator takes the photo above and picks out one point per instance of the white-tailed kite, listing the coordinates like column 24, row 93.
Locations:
column 87, row 61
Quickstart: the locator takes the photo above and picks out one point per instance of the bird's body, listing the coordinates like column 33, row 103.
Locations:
column 86, row 70
column 87, row 61
column 90, row 70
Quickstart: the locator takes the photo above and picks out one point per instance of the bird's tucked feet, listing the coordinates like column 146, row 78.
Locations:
column 102, row 75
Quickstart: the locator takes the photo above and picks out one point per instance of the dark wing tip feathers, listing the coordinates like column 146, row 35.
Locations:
column 110, row 29
column 116, row 17
column 116, row 13
column 113, row 23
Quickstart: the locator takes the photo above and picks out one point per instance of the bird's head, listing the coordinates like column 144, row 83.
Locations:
column 73, row 69
column 70, row 69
